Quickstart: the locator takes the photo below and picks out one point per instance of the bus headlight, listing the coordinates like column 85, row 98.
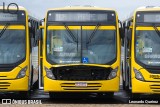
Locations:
column 113, row 73
column 22, row 73
column 49, row 73
column 138, row 75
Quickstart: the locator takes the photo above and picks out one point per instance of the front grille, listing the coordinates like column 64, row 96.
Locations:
column 154, row 71
column 81, row 73
column 4, row 85
column 72, row 86
column 5, row 69
column 155, row 88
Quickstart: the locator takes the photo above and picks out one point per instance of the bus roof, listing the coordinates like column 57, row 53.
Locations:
column 143, row 8
column 87, row 7
column 148, row 8
column 31, row 15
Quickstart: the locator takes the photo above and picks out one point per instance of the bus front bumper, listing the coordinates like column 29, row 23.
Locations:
column 145, row 87
column 81, row 86
column 14, row 85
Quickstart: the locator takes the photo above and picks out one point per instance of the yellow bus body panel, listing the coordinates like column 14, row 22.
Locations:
column 14, row 84
column 8, row 81
column 150, row 85
column 105, row 85
column 69, row 86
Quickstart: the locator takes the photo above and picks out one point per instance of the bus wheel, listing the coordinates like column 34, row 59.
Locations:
column 108, row 95
column 123, row 76
column 24, row 95
column 127, row 88
column 135, row 96
column 54, row 95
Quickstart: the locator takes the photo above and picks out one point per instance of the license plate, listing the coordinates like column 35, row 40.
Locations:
column 81, row 84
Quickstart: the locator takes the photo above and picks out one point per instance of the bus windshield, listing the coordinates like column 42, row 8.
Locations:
column 61, row 47
column 101, row 49
column 147, row 47
column 12, row 46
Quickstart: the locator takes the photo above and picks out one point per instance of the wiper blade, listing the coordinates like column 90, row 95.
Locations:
column 71, row 34
column 156, row 29
column 4, row 29
column 93, row 33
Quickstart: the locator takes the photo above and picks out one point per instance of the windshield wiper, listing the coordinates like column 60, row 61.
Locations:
column 156, row 29
column 4, row 29
column 93, row 33
column 72, row 35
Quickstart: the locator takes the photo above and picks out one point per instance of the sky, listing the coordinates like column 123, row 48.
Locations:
column 123, row 7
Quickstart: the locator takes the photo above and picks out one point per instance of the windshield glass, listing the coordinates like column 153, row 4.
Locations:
column 12, row 46
column 147, row 47
column 62, row 48
column 102, row 47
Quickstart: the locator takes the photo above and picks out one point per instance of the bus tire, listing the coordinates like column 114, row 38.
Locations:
column 54, row 95
column 24, row 95
column 135, row 95
column 108, row 95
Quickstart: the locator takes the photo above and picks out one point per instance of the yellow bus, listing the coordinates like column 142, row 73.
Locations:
column 141, row 72
column 81, row 51
column 17, row 38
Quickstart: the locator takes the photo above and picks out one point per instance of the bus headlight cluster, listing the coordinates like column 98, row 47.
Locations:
column 49, row 73
column 113, row 73
column 22, row 73
column 138, row 75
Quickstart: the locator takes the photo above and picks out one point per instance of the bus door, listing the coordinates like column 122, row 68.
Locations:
column 40, row 55
column 128, row 55
column 33, row 36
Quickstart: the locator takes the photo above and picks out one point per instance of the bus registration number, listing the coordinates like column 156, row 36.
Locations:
column 81, row 84
column 155, row 76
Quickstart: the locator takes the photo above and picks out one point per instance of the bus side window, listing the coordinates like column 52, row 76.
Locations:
column 30, row 35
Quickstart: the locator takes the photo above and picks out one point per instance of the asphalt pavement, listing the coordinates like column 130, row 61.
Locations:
column 121, row 97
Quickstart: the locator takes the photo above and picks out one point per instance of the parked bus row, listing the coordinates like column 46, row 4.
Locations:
column 79, row 50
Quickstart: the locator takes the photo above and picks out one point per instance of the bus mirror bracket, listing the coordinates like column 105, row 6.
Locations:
column 39, row 33
column 41, row 27
column 121, row 32
column 129, row 34
column 121, row 29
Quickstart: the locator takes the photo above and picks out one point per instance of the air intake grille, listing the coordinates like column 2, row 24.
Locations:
column 81, row 73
